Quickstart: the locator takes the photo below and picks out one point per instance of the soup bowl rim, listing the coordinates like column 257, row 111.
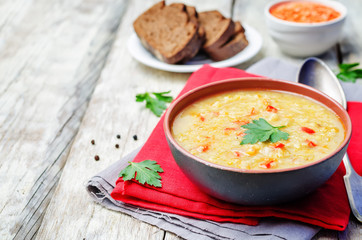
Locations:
column 167, row 124
column 339, row 7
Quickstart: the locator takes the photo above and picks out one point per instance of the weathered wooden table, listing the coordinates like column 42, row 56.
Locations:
column 66, row 77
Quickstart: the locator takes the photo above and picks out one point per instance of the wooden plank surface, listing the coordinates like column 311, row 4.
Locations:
column 119, row 117
column 112, row 110
column 51, row 54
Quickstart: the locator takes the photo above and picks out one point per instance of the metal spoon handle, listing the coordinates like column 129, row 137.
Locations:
column 353, row 183
column 314, row 72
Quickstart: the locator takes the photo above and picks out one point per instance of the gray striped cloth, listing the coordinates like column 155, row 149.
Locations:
column 101, row 185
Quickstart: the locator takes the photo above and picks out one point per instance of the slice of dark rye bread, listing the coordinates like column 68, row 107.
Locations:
column 172, row 33
column 234, row 45
column 224, row 38
column 193, row 15
column 218, row 29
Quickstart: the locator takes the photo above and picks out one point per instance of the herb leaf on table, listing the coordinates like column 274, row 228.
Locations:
column 157, row 102
column 348, row 72
column 260, row 130
column 146, row 171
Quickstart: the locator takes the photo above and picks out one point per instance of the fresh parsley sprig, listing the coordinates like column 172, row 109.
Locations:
column 146, row 171
column 260, row 130
column 157, row 102
column 348, row 72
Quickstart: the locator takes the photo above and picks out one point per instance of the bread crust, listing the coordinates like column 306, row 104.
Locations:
column 186, row 31
column 231, row 48
column 218, row 29
column 236, row 43
column 175, row 33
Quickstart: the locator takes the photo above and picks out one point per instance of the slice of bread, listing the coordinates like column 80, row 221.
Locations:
column 234, row 45
column 170, row 32
column 193, row 16
column 218, row 29
column 238, row 28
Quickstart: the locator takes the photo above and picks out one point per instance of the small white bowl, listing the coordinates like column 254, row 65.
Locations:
column 306, row 39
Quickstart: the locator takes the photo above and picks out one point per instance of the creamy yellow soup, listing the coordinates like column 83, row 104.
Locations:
column 212, row 129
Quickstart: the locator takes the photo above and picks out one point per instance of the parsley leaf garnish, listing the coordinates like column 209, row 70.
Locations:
column 260, row 130
column 347, row 73
column 157, row 102
column 147, row 172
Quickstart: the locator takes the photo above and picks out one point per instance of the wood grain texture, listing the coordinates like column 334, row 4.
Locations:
column 51, row 57
column 51, row 54
column 112, row 110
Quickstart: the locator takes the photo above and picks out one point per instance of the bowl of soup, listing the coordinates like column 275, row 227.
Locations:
column 257, row 141
column 305, row 28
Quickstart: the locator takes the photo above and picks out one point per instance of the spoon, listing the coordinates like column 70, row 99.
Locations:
column 315, row 73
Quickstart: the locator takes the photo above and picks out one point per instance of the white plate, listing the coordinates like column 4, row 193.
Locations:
column 142, row 55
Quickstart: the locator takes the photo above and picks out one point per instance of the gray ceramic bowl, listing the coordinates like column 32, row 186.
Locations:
column 255, row 187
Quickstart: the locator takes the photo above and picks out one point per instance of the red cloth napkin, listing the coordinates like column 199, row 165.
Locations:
column 354, row 150
column 326, row 207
